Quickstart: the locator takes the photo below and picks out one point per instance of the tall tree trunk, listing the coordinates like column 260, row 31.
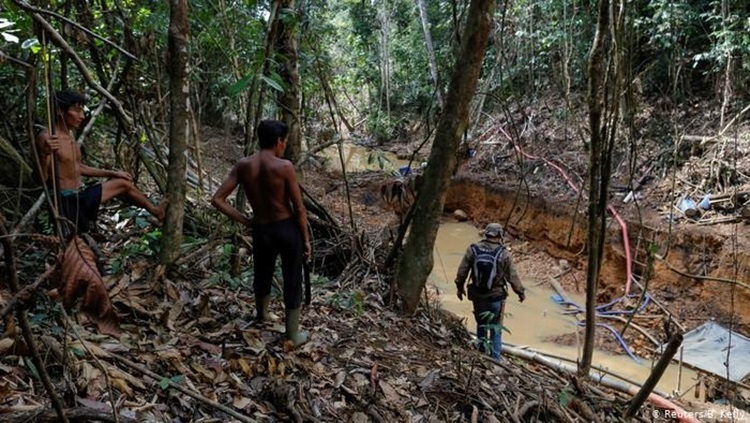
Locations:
column 727, row 95
column 289, row 100
column 385, row 59
column 599, row 159
column 330, row 95
column 416, row 261
column 179, row 129
column 430, row 50
column 233, row 55
column 254, row 110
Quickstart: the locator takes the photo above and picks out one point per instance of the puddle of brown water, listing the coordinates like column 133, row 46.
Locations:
column 538, row 318
column 356, row 159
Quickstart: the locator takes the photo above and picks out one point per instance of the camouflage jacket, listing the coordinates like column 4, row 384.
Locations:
column 506, row 273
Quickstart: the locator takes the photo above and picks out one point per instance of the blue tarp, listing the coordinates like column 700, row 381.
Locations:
column 705, row 347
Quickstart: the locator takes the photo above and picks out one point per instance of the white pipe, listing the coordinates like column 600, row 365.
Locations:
column 630, row 388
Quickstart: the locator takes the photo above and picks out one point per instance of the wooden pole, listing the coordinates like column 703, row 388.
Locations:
column 635, row 404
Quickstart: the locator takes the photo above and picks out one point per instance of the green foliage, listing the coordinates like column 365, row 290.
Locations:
column 565, row 396
column 729, row 36
column 490, row 316
column 486, row 342
column 353, row 301
column 668, row 23
column 167, row 382
column 148, row 245
column 697, row 34
column 222, row 275
column 380, row 157
column 382, row 127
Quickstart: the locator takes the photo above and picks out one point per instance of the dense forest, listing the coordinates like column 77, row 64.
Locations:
column 641, row 101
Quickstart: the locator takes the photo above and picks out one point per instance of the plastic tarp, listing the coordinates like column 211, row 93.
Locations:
column 705, row 347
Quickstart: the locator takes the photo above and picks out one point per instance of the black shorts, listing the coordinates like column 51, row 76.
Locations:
column 271, row 240
column 80, row 208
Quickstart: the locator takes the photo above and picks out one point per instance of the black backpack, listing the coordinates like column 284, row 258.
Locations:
column 484, row 272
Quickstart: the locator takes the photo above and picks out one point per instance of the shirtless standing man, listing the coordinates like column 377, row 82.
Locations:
column 279, row 225
column 79, row 204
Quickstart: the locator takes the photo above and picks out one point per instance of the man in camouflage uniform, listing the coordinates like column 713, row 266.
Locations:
column 488, row 302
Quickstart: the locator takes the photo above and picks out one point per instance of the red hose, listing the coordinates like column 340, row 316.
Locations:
column 623, row 225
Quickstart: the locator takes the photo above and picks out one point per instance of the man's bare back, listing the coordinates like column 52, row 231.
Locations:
column 262, row 176
column 271, row 187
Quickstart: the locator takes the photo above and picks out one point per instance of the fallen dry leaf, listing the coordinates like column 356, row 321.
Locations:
column 390, row 394
column 241, row 402
column 6, row 344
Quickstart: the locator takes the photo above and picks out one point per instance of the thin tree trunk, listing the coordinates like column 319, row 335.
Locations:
column 416, row 261
column 252, row 117
column 330, row 96
column 385, row 70
column 197, row 154
column 430, row 50
column 254, row 112
column 289, row 100
column 179, row 130
column 597, row 197
column 728, row 70
column 233, row 56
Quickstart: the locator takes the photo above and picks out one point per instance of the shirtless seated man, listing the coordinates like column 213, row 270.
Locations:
column 79, row 204
column 279, row 225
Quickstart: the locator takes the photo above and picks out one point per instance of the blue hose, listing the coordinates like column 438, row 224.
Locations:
column 619, row 339
column 602, row 311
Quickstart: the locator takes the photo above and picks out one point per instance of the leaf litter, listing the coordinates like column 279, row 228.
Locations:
column 188, row 345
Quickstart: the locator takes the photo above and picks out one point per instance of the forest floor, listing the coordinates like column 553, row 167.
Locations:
column 188, row 346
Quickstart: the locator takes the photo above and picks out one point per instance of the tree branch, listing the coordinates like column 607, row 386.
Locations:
column 200, row 398
column 672, row 346
column 60, row 42
column 32, row 9
column 12, row 59
column 23, row 321
column 23, row 295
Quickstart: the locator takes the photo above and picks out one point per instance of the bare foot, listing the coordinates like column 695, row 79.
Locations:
column 161, row 210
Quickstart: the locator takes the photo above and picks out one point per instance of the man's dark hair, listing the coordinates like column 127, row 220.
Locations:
column 66, row 99
column 269, row 131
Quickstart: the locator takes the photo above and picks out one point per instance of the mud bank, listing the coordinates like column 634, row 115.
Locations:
column 685, row 279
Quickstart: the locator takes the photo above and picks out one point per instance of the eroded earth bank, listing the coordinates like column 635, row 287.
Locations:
column 693, row 266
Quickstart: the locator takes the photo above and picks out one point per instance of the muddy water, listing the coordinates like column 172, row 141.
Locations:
column 538, row 318
column 532, row 323
column 359, row 159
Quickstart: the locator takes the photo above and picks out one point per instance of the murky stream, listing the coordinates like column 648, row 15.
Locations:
column 538, row 318
column 532, row 323
column 359, row 159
